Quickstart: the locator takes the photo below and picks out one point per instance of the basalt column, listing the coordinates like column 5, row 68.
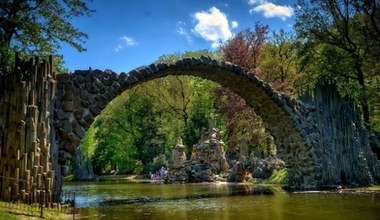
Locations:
column 26, row 133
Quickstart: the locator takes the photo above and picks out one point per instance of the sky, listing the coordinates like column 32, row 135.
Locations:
column 126, row 34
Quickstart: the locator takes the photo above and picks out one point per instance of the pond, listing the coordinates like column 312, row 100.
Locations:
column 137, row 200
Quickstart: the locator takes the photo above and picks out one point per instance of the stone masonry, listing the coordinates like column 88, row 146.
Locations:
column 317, row 149
column 82, row 95
column 27, row 150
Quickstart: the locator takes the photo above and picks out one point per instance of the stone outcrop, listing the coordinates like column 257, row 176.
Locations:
column 374, row 143
column 232, row 155
column 337, row 141
column 178, row 152
column 210, row 151
column 189, row 172
column 238, row 160
column 240, row 172
column 83, row 170
column 27, row 137
column 207, row 160
column 264, row 168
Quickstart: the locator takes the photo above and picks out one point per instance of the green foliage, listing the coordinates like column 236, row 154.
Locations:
column 340, row 39
column 89, row 142
column 144, row 122
column 193, row 130
column 18, row 210
column 279, row 62
column 187, row 54
column 39, row 27
column 139, row 167
column 4, row 215
column 278, row 177
column 247, row 49
column 372, row 188
column 126, row 134
column 159, row 161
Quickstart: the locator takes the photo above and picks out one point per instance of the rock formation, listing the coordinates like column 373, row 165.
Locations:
column 264, row 168
column 27, row 138
column 83, row 170
column 178, row 152
column 207, row 160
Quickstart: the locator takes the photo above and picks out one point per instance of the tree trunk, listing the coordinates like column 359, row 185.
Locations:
column 363, row 100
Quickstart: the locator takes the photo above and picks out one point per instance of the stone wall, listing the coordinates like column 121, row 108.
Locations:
column 298, row 131
column 337, row 141
column 26, row 132
column 80, row 98
column 320, row 139
column 82, row 95
column 83, row 170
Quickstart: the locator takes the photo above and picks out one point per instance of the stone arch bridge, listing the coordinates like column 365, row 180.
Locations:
column 82, row 95
column 321, row 137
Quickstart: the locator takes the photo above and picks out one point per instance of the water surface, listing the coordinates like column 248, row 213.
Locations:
column 126, row 200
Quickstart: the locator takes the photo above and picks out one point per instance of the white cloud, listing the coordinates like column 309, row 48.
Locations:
column 129, row 40
column 212, row 26
column 234, row 24
column 181, row 30
column 271, row 10
column 256, row 2
column 118, row 48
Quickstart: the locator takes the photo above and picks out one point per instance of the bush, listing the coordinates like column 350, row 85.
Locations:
column 138, row 168
column 158, row 162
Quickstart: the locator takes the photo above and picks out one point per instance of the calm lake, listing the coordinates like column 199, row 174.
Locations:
column 129, row 200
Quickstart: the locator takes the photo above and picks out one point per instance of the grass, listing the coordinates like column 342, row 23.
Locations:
column 277, row 177
column 371, row 188
column 13, row 211
column 5, row 215
column 69, row 178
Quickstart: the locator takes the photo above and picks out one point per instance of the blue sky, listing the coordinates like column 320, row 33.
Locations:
column 126, row 34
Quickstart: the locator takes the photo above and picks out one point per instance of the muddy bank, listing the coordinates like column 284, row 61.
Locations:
column 373, row 190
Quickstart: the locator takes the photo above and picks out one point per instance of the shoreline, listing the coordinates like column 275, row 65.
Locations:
column 338, row 189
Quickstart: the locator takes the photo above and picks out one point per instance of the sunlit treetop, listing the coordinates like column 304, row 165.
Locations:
column 39, row 26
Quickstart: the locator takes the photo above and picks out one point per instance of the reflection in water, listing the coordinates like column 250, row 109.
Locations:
column 216, row 201
column 230, row 190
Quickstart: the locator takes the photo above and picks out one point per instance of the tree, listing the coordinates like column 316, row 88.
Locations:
column 186, row 54
column 127, row 134
column 175, row 95
column 39, row 26
column 241, row 121
column 244, row 49
column 187, row 98
column 279, row 63
column 144, row 122
column 350, row 30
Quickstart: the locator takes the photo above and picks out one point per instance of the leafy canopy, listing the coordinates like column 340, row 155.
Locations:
column 342, row 43
column 39, row 26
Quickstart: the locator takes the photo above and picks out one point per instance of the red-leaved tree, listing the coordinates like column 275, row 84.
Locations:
column 244, row 49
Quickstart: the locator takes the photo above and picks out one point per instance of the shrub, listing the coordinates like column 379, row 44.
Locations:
column 158, row 162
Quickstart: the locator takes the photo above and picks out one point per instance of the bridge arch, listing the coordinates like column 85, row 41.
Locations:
column 82, row 95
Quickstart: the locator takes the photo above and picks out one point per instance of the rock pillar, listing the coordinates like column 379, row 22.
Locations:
column 26, row 133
